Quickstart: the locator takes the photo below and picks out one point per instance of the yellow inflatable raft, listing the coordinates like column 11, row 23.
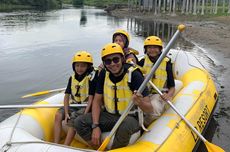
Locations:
column 196, row 97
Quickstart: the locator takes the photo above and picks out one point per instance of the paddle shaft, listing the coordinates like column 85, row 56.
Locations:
column 43, row 92
column 40, row 106
column 182, row 116
column 143, row 85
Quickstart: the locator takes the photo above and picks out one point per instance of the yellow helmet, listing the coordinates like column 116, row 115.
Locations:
column 123, row 32
column 153, row 40
column 120, row 31
column 111, row 48
column 83, row 56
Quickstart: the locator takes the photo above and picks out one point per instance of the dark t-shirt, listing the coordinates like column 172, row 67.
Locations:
column 170, row 78
column 92, row 84
column 136, row 80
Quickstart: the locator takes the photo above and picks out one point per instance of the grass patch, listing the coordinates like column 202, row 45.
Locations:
column 11, row 7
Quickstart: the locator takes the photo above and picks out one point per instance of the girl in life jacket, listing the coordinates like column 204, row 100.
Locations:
column 80, row 89
column 122, row 38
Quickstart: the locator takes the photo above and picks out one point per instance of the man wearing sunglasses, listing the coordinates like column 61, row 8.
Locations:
column 115, row 89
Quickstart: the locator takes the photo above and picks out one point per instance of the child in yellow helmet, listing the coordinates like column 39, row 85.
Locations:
column 122, row 38
column 163, row 76
column 81, row 89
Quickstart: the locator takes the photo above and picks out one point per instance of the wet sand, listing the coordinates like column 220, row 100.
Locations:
column 211, row 34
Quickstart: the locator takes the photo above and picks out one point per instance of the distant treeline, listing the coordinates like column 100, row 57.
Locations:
column 45, row 4
column 49, row 4
column 102, row 3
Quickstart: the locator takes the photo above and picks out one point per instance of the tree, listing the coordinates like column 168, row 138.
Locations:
column 155, row 7
column 183, row 7
column 164, row 6
column 187, row 5
column 78, row 2
column 228, row 6
column 190, row 6
column 174, row 7
column 194, row 8
column 202, row 10
column 216, row 7
column 223, row 7
column 159, row 6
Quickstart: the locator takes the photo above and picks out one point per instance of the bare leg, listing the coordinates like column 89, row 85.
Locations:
column 57, row 127
column 70, row 135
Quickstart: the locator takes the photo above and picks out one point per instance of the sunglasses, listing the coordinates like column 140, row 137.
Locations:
column 114, row 60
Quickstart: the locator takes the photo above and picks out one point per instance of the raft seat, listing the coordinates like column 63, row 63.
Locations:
column 77, row 137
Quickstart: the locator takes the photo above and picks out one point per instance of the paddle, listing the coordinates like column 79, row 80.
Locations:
column 40, row 106
column 142, row 87
column 43, row 92
column 210, row 146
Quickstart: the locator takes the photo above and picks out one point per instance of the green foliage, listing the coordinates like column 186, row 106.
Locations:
column 44, row 4
column 104, row 3
column 67, row 1
column 78, row 2
column 9, row 7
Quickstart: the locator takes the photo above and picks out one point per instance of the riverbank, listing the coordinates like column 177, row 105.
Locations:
column 212, row 35
column 213, row 32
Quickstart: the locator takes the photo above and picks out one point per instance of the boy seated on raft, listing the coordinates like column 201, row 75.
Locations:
column 80, row 88
column 163, row 76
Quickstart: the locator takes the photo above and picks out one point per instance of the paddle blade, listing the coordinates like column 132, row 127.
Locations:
column 213, row 148
column 35, row 94
column 104, row 144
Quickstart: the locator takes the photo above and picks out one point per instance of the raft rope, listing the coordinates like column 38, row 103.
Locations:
column 48, row 143
column 8, row 144
column 140, row 112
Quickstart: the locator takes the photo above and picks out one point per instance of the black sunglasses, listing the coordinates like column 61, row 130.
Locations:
column 109, row 61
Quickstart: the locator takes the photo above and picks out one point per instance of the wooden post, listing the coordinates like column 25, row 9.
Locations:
column 194, row 7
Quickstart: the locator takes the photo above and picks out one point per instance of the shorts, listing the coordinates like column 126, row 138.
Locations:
column 159, row 106
column 74, row 115
column 71, row 110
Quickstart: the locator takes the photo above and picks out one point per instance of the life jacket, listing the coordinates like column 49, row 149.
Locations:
column 80, row 90
column 160, row 76
column 117, row 96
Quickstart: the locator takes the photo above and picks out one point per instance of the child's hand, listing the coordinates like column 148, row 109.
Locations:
column 166, row 97
column 67, row 117
column 137, row 98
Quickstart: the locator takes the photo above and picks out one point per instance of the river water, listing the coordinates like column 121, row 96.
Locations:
column 36, row 49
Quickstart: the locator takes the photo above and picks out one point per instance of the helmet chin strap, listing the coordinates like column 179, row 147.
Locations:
column 154, row 59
